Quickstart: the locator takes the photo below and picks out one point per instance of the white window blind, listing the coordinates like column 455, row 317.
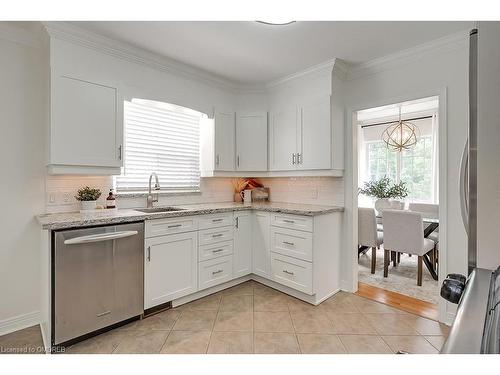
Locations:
column 161, row 138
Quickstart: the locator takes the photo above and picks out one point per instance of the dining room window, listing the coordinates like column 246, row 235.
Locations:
column 417, row 166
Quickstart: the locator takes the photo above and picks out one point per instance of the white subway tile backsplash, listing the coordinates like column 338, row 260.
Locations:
column 309, row 190
column 60, row 191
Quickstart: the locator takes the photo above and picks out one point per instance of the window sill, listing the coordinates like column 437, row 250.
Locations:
column 143, row 194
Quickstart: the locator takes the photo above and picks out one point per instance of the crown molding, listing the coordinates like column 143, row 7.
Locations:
column 446, row 43
column 11, row 32
column 326, row 66
column 125, row 51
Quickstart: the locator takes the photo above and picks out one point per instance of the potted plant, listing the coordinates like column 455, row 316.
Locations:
column 386, row 193
column 88, row 197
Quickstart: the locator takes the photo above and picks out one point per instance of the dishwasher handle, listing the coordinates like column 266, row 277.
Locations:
column 100, row 237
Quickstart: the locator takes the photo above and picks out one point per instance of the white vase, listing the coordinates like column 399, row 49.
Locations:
column 388, row 204
column 88, row 205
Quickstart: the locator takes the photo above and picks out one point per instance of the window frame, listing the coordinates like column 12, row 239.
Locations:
column 399, row 167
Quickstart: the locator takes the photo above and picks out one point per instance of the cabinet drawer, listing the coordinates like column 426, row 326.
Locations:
column 291, row 242
column 211, row 236
column 214, row 272
column 304, row 223
column 213, row 251
column 160, row 227
column 216, row 220
column 294, row 273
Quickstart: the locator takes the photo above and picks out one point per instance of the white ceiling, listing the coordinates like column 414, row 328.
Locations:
column 251, row 52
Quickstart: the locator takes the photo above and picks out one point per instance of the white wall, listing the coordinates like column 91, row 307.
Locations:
column 433, row 71
column 22, row 108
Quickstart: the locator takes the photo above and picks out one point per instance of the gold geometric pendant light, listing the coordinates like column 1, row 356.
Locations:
column 400, row 135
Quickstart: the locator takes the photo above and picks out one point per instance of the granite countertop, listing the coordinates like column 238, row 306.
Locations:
column 103, row 217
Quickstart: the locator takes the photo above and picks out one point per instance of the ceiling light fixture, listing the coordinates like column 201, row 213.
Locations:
column 400, row 135
column 276, row 22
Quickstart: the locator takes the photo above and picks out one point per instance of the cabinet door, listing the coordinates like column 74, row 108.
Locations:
column 315, row 135
column 84, row 127
column 261, row 244
column 242, row 258
column 171, row 268
column 251, row 142
column 283, row 139
column 224, row 141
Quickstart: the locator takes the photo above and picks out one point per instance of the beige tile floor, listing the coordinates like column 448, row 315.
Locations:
column 252, row 318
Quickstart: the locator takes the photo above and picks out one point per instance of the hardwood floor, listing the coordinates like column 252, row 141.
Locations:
column 399, row 301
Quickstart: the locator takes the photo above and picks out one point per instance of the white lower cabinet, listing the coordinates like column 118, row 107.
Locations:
column 242, row 259
column 294, row 243
column 214, row 272
column 261, row 261
column 170, row 268
column 292, row 272
column 207, row 252
column 297, row 251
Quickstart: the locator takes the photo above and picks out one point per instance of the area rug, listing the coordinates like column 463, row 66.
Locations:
column 402, row 278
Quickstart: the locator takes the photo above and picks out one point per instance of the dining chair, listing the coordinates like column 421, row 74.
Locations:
column 404, row 232
column 430, row 211
column 367, row 232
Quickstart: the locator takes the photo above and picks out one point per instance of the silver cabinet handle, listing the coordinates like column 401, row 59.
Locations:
column 238, row 161
column 217, row 159
column 175, row 226
column 216, row 272
column 100, row 237
column 299, row 158
column 149, row 254
column 289, row 243
column 288, row 272
column 237, row 222
column 104, row 313
column 293, row 158
column 217, row 235
column 217, row 251
column 120, row 152
column 216, row 220
column 289, row 221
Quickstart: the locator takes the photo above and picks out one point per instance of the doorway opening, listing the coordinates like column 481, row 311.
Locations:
column 398, row 170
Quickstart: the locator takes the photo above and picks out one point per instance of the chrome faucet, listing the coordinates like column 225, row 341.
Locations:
column 150, row 199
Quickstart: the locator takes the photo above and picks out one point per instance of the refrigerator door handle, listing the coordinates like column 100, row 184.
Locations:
column 464, row 171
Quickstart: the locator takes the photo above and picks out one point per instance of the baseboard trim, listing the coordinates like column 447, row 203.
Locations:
column 19, row 322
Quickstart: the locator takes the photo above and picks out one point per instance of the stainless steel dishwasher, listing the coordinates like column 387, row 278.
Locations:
column 97, row 279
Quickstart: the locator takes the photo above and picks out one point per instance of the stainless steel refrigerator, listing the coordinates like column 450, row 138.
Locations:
column 476, row 328
column 480, row 172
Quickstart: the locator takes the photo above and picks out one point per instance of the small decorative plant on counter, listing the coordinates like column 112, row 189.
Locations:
column 242, row 184
column 386, row 193
column 88, row 197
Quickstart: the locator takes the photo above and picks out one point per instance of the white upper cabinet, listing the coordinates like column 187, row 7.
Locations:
column 251, row 141
column 300, row 136
column 315, row 140
column 283, row 139
column 86, row 126
column 224, row 141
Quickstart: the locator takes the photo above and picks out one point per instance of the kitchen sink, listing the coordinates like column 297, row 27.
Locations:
column 158, row 209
